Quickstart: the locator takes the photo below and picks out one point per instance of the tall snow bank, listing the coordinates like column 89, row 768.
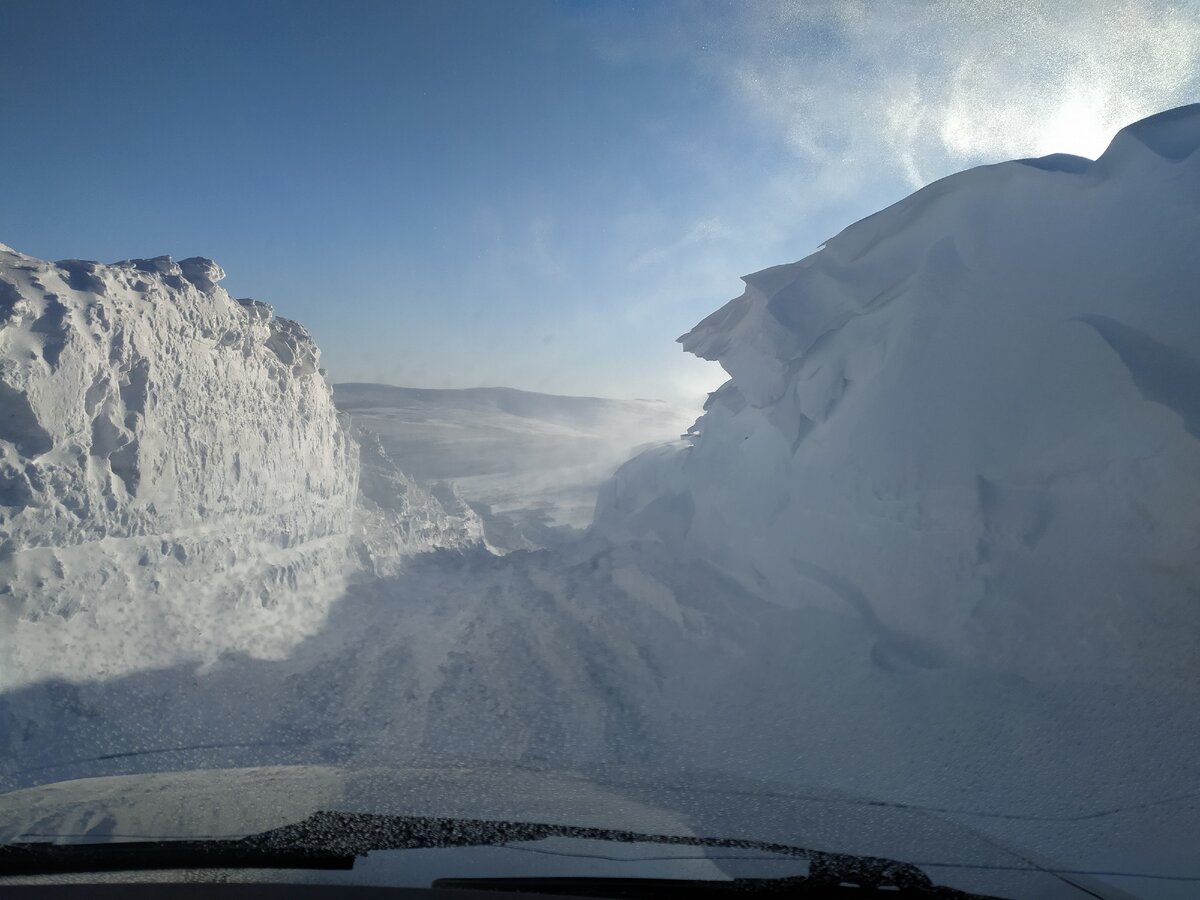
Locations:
column 174, row 479
column 972, row 419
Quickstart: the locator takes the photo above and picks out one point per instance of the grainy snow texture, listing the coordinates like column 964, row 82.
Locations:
column 971, row 420
column 174, row 479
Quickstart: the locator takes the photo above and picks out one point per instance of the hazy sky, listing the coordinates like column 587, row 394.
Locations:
column 534, row 194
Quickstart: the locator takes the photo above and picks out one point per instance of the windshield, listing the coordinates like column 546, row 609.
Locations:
column 378, row 437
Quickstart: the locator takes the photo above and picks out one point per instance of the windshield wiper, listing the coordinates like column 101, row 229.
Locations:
column 333, row 840
column 654, row 888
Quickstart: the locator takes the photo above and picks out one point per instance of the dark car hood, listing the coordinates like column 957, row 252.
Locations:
column 235, row 802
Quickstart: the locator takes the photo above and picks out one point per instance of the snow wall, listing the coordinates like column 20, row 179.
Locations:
column 174, row 479
column 972, row 419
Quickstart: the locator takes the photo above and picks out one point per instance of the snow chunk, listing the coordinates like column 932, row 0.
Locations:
column 203, row 273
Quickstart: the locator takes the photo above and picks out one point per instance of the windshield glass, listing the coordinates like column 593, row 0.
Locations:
column 350, row 463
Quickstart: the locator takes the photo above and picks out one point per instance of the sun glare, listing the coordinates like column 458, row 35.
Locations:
column 1078, row 126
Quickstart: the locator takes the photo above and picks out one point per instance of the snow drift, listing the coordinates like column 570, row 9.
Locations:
column 971, row 419
column 174, row 479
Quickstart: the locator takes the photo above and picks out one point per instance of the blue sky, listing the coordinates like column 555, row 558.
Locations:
column 536, row 194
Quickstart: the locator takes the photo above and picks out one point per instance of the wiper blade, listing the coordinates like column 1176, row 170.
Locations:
column 44, row 858
column 669, row 888
column 333, row 840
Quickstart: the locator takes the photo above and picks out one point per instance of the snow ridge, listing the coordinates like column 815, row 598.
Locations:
column 968, row 419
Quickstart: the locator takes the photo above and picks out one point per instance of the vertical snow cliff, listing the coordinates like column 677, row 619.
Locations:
column 174, row 480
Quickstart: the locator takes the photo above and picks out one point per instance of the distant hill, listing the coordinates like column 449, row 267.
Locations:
column 582, row 412
column 524, row 454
